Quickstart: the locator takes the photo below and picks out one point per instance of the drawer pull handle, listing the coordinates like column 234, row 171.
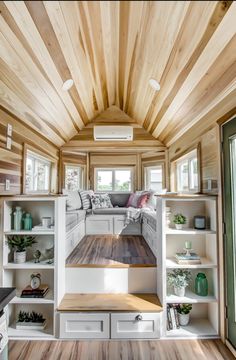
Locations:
column 139, row 318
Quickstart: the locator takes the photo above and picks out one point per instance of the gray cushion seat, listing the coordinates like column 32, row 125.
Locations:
column 150, row 218
column 108, row 211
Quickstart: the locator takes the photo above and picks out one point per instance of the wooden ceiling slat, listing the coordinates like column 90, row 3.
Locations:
column 222, row 35
column 14, row 104
column 45, row 29
column 161, row 32
column 17, row 87
column 109, row 57
column 185, row 51
column 14, row 54
column 213, row 83
column 60, row 28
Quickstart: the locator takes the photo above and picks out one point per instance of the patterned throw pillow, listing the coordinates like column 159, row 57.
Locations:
column 86, row 198
column 101, row 201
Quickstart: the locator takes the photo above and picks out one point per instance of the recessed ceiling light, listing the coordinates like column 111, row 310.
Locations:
column 67, row 84
column 154, row 84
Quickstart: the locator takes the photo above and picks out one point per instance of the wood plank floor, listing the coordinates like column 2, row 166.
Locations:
column 119, row 350
column 112, row 251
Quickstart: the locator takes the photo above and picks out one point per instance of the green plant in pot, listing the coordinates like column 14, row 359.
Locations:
column 184, row 313
column 19, row 244
column 179, row 221
column 179, row 279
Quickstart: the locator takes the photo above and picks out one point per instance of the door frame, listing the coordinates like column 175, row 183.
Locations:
column 223, row 246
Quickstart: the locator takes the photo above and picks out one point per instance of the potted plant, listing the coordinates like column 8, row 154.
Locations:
column 184, row 313
column 179, row 279
column 19, row 244
column 179, row 221
column 30, row 320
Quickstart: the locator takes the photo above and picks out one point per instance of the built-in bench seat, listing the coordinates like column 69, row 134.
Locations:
column 150, row 218
column 115, row 316
column 73, row 218
column 149, row 230
column 105, row 221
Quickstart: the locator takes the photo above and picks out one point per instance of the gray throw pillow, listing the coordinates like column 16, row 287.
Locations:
column 86, row 198
column 73, row 201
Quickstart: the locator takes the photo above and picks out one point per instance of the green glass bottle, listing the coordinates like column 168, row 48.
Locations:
column 201, row 285
column 28, row 222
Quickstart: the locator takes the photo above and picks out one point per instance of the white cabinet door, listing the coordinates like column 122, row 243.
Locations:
column 135, row 326
column 99, row 224
column 84, row 326
column 119, row 224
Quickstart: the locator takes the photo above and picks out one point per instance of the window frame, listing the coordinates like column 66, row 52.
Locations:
column 52, row 171
column 187, row 156
column 113, row 169
column 82, row 171
column 150, row 166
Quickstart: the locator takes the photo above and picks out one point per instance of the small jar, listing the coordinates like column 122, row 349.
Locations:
column 201, row 285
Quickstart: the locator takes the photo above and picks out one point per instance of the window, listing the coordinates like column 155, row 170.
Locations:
column 107, row 179
column 154, row 178
column 37, row 174
column 187, row 173
column 73, row 177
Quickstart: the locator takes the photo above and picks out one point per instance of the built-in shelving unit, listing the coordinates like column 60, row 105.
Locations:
column 204, row 317
column 18, row 275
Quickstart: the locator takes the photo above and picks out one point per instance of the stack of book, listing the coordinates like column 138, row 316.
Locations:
column 168, row 216
column 184, row 259
column 172, row 317
column 41, row 292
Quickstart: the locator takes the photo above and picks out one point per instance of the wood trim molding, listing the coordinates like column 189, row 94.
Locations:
column 54, row 168
column 173, row 179
column 152, row 164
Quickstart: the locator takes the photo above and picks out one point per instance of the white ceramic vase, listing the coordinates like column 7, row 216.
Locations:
column 183, row 319
column 178, row 226
column 19, row 257
column 179, row 291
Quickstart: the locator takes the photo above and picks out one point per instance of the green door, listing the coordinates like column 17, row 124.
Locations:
column 229, row 154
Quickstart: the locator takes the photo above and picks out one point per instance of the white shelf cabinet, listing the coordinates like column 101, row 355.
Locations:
column 204, row 317
column 18, row 275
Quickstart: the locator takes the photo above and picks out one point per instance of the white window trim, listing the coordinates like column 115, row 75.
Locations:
column 146, row 177
column 188, row 157
column 82, row 170
column 96, row 169
column 43, row 159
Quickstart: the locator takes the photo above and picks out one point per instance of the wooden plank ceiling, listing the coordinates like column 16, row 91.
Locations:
column 111, row 49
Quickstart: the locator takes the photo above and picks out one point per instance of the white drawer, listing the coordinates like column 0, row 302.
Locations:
column 84, row 326
column 135, row 326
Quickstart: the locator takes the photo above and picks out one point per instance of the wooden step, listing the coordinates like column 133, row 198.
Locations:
column 110, row 302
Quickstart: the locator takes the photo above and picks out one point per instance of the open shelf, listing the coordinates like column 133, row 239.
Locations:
column 170, row 231
column 197, row 328
column 205, row 264
column 29, row 265
column 48, row 299
column 190, row 297
column 30, row 232
column 13, row 333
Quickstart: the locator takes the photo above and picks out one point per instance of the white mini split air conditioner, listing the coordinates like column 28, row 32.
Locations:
column 113, row 133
